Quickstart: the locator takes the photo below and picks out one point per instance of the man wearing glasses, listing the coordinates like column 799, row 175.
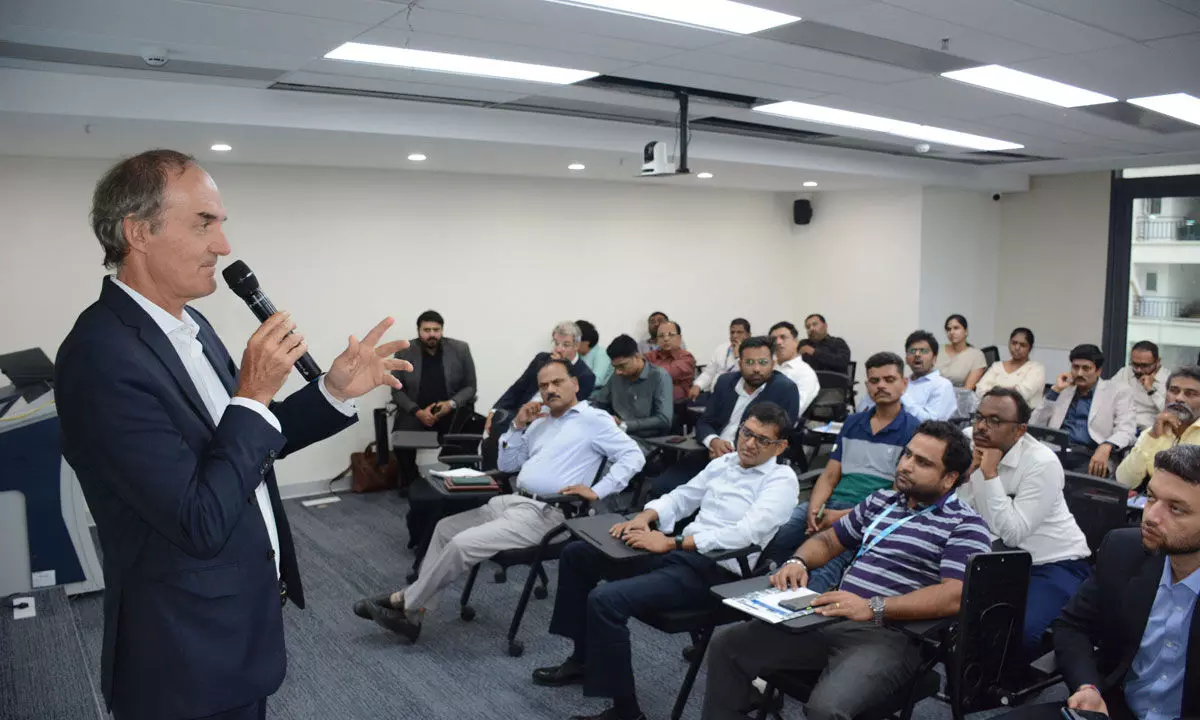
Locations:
column 1147, row 381
column 929, row 395
column 670, row 356
column 1016, row 486
column 741, row 497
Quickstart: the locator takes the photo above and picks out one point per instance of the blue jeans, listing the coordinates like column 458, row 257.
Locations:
column 791, row 536
column 1050, row 587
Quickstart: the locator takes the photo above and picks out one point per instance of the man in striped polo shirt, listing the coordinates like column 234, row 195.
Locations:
column 912, row 544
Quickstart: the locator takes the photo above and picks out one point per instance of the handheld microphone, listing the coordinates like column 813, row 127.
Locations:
column 242, row 282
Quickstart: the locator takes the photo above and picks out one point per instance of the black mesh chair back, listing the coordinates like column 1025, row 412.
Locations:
column 832, row 401
column 1098, row 505
column 991, row 354
column 1057, row 440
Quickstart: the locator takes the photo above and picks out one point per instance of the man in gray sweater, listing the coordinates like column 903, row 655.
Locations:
column 639, row 394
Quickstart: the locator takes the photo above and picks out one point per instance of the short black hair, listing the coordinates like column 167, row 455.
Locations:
column 883, row 359
column 587, row 332
column 678, row 327
column 957, row 456
column 818, row 316
column 430, row 316
column 1022, row 331
column 785, row 325
column 1181, row 460
column 1024, row 412
column 557, row 361
column 1088, row 352
column 961, row 321
column 622, row 346
column 1147, row 346
column 657, row 312
column 921, row 335
column 740, row 321
column 768, row 413
column 757, row 341
column 1191, row 372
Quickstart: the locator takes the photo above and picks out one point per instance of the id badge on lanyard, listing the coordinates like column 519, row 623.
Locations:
column 866, row 547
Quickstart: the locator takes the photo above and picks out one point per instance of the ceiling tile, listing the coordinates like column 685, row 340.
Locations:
column 707, row 62
column 336, row 68
column 1039, row 127
column 1011, row 19
column 946, row 98
column 367, row 12
column 718, row 83
column 1141, row 20
column 406, row 85
column 1191, row 6
column 794, row 56
column 1131, row 70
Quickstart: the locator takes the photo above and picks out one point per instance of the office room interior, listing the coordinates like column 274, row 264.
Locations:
column 884, row 163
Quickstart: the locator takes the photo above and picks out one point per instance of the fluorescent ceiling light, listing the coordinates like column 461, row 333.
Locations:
column 810, row 183
column 458, row 64
column 222, row 147
column 576, row 166
column 417, row 157
column 734, row 17
column 704, row 175
column 1180, row 106
column 845, row 118
column 1015, row 82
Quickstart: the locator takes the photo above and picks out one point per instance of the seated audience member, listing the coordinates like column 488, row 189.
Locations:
column 1128, row 643
column 822, row 350
column 1177, row 424
column 789, row 362
column 639, row 394
column 558, row 452
column 724, row 359
column 670, row 356
column 929, row 396
column 912, row 546
column 592, row 354
column 732, row 398
column 1096, row 414
column 652, row 324
column 958, row 362
column 863, row 461
column 1016, row 486
column 742, row 499
column 439, row 388
column 1146, row 379
column 1027, row 376
column 566, row 337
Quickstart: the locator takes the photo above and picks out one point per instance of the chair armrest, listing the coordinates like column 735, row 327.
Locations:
column 1047, row 663
column 461, row 439
column 809, row 479
column 928, row 631
column 721, row 555
column 460, row 461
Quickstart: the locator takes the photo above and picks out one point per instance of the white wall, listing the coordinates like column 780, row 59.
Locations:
column 502, row 259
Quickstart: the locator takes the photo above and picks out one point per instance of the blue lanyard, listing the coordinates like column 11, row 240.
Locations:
column 866, row 547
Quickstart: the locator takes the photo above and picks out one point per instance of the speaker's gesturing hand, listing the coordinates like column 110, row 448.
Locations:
column 364, row 367
column 268, row 359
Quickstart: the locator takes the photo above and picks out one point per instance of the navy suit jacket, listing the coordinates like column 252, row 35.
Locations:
column 192, row 618
column 526, row 385
column 778, row 389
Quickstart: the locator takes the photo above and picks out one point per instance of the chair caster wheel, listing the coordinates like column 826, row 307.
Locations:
column 467, row 613
column 540, row 592
column 516, row 648
column 500, row 576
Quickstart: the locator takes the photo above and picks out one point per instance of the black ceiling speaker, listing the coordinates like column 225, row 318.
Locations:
column 802, row 212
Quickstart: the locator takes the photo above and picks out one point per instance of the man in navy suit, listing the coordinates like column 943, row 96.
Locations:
column 731, row 400
column 174, row 446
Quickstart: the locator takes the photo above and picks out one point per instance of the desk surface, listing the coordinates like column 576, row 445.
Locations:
column 741, row 587
column 439, row 486
column 415, row 439
column 689, row 444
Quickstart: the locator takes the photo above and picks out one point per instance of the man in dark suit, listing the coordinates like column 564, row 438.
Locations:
column 438, row 392
column 734, row 395
column 822, row 350
column 566, row 337
column 1128, row 643
column 174, row 447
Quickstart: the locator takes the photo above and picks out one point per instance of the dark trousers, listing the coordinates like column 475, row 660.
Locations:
column 253, row 711
column 596, row 617
column 1050, row 587
column 792, row 535
column 860, row 663
column 688, row 467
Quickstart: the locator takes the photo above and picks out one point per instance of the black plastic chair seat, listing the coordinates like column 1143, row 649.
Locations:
column 461, row 461
column 526, row 556
column 799, row 685
column 674, row 622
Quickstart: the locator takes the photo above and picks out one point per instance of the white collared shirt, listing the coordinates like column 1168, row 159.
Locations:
column 1146, row 405
column 729, row 432
column 805, row 378
column 183, row 335
column 724, row 359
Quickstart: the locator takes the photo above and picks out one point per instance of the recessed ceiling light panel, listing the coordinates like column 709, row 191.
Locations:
column 576, row 167
column 456, row 64
column 1180, row 106
column 221, row 147
column 734, row 17
column 704, row 175
column 1032, row 87
column 810, row 183
column 418, row 157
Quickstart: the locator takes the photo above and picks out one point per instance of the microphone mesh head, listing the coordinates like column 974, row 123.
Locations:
column 240, row 278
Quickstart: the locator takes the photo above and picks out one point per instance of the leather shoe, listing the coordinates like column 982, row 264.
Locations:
column 396, row 621
column 608, row 714
column 384, row 601
column 569, row 673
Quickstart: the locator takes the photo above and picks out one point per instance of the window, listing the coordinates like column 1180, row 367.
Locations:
column 1151, row 282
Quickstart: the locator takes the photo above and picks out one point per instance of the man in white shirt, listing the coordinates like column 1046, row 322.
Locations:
column 1016, row 486
column 724, row 359
column 555, row 453
column 742, row 499
column 1146, row 379
column 790, row 362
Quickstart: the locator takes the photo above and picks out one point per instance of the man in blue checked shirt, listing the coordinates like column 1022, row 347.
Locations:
column 912, row 544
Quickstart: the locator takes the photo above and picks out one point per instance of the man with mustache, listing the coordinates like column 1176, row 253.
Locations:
column 1096, row 414
column 929, row 396
column 1177, row 424
column 822, row 350
column 1146, row 379
column 1128, row 643
column 558, row 451
column 565, row 339
column 1016, row 486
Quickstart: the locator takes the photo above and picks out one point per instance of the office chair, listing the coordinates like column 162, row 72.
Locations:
column 991, row 354
column 1097, row 504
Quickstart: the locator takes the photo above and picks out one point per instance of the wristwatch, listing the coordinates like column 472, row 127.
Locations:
column 679, row 541
column 876, row 605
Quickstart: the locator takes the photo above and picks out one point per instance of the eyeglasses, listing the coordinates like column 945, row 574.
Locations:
column 920, row 351
column 761, row 362
column 1144, row 366
column 667, row 335
column 991, row 421
column 748, row 434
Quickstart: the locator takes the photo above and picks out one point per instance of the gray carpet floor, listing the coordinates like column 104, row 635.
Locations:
column 345, row 668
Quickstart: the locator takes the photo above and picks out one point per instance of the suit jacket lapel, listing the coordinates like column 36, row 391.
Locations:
column 417, row 359
column 1061, row 407
column 1139, row 598
column 1100, row 414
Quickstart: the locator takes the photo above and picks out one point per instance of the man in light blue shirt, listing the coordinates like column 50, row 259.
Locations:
column 592, row 354
column 561, row 451
column 742, row 498
column 929, row 395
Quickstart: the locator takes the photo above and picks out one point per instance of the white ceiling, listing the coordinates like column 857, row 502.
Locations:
column 1124, row 48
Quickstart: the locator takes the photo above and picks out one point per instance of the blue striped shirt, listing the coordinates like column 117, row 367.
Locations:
column 932, row 547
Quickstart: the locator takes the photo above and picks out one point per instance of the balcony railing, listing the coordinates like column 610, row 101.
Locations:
column 1168, row 229
column 1159, row 307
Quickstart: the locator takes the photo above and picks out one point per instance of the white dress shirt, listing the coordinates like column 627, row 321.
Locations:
column 739, row 506
column 729, row 432
column 183, row 335
column 1146, row 405
column 1024, row 504
column 724, row 359
column 805, row 378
